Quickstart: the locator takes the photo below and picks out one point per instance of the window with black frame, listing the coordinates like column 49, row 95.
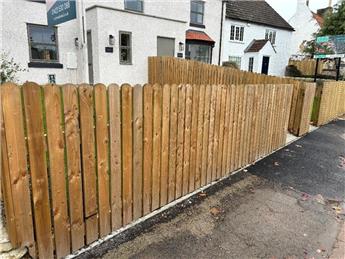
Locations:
column 134, row 5
column 43, row 43
column 125, row 48
column 197, row 12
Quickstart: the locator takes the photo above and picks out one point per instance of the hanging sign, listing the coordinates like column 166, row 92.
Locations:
column 60, row 11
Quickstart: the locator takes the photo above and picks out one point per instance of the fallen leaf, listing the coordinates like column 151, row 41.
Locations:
column 305, row 196
column 245, row 170
column 299, row 146
column 276, row 163
column 318, row 251
column 319, row 198
column 202, row 194
column 215, row 211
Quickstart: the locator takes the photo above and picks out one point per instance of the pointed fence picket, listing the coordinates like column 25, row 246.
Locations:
column 169, row 70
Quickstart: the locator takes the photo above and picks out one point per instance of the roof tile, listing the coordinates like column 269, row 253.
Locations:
column 258, row 12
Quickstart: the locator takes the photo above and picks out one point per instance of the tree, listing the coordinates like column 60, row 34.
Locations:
column 334, row 24
column 8, row 69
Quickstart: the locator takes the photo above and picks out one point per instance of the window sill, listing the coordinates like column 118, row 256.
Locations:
column 197, row 25
column 126, row 64
column 236, row 41
column 135, row 11
column 44, row 65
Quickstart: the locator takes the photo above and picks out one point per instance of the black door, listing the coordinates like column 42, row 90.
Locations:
column 265, row 65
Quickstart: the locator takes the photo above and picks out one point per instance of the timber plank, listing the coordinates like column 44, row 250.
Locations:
column 137, row 151
column 187, row 140
column 165, row 145
column 147, row 160
column 56, row 148
column 17, row 170
column 127, row 153
column 180, row 140
column 173, row 141
column 115, row 155
column 86, row 101
column 102, row 147
column 72, row 140
column 200, row 130
column 157, row 145
column 38, row 169
column 194, row 136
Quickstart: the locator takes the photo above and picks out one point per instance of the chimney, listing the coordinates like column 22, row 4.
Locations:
column 330, row 3
column 307, row 3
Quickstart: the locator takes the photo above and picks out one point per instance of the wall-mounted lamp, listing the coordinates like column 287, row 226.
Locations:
column 111, row 40
column 76, row 42
column 181, row 46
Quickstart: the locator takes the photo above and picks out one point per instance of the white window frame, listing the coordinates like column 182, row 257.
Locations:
column 236, row 33
column 271, row 35
column 237, row 60
column 251, row 64
column 122, row 62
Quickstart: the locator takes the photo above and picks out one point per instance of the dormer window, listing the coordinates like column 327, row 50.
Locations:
column 197, row 12
column 134, row 5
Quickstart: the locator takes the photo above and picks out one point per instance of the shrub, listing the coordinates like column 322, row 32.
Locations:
column 292, row 71
column 231, row 64
column 8, row 68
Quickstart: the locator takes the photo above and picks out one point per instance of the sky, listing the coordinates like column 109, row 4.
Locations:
column 287, row 8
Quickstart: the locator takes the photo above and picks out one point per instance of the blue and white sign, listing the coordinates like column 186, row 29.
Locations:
column 60, row 11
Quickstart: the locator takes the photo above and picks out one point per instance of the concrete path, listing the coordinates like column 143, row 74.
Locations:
column 289, row 205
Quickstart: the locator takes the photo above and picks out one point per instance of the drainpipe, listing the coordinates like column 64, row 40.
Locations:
column 221, row 33
column 82, row 70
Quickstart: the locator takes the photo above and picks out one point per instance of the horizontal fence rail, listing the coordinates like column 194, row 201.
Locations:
column 329, row 102
column 80, row 161
column 169, row 70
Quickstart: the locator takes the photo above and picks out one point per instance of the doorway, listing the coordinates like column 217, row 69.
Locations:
column 165, row 46
column 89, row 57
column 265, row 65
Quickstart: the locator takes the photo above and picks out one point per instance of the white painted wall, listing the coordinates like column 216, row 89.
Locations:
column 15, row 16
column 305, row 26
column 178, row 10
column 252, row 31
column 144, row 29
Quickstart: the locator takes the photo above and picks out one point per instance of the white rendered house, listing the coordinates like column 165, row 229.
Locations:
column 256, row 37
column 119, row 36
column 306, row 23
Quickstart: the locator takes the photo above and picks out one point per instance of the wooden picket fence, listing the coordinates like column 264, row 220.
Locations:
column 79, row 162
column 307, row 67
column 330, row 101
column 168, row 70
column 301, row 111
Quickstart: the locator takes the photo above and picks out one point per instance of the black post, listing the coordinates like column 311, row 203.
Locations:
column 316, row 69
column 338, row 69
